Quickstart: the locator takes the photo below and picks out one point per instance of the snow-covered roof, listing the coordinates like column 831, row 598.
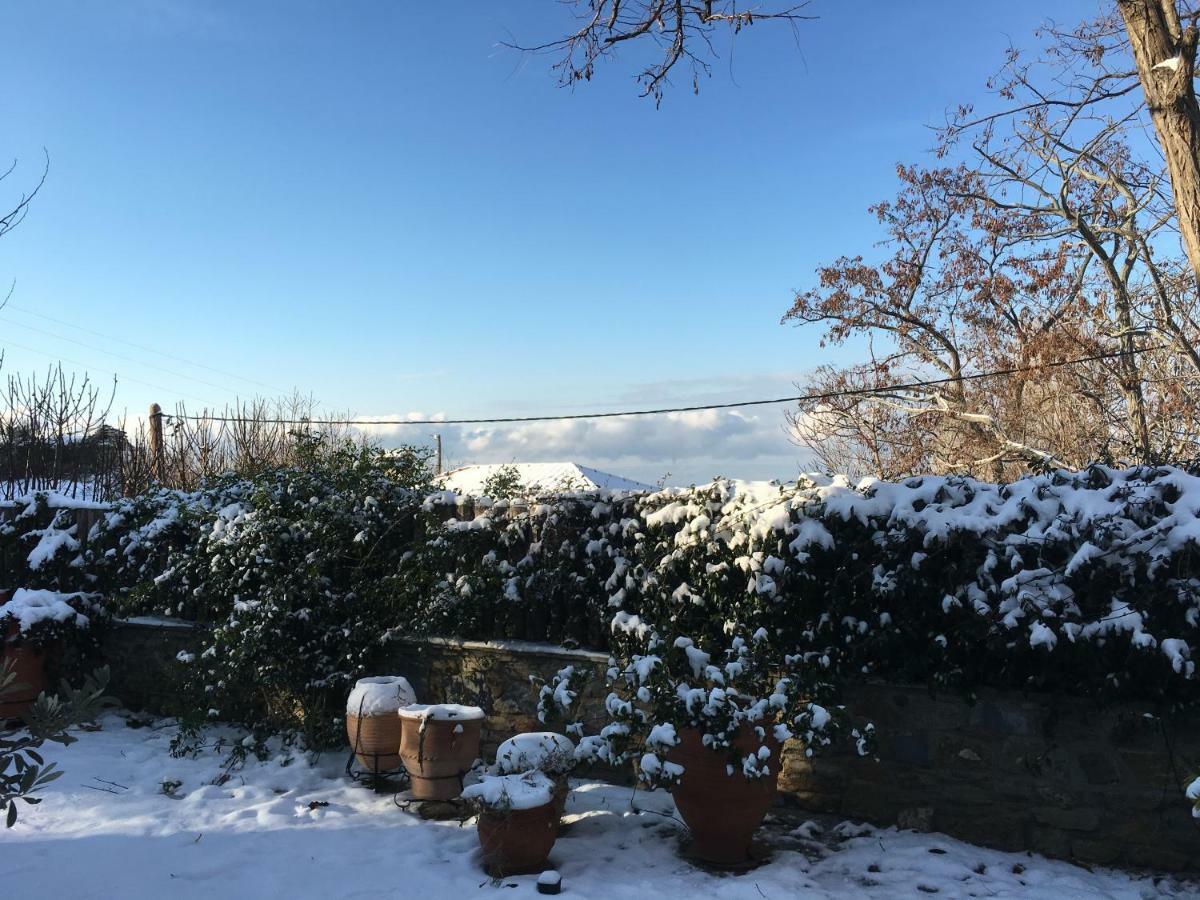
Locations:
column 540, row 477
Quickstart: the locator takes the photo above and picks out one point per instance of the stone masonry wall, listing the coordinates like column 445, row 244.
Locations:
column 1057, row 775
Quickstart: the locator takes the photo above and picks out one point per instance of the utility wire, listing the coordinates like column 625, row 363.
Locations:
column 827, row 395
column 137, row 362
column 171, row 356
column 5, row 342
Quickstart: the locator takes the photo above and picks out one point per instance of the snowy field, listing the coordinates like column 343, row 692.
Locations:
column 106, row 829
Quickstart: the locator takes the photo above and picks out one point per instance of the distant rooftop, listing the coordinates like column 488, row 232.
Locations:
column 541, row 478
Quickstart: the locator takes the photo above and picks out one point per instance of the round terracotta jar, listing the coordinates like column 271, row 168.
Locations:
column 721, row 810
column 372, row 724
column 438, row 744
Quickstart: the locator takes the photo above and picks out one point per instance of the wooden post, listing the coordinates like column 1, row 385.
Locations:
column 439, row 453
column 157, row 454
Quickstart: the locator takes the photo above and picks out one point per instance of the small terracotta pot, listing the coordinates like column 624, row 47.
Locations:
column 438, row 751
column 29, row 664
column 517, row 841
column 722, row 811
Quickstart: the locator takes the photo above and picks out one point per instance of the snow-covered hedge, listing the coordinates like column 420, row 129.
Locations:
column 1084, row 581
column 1087, row 582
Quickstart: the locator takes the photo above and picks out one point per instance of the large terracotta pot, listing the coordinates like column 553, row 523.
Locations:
column 372, row 724
column 29, row 664
column 517, row 841
column 438, row 745
column 722, row 811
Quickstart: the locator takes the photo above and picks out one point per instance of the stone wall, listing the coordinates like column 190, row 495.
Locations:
column 1056, row 775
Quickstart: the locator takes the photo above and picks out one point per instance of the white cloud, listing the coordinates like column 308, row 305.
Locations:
column 692, row 446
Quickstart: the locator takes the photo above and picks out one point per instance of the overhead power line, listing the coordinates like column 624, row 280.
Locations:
column 174, row 357
column 6, row 342
column 138, row 362
column 737, row 404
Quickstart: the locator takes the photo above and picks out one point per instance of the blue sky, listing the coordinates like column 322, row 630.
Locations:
column 381, row 206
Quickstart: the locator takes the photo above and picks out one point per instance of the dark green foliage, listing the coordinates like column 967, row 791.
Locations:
column 23, row 770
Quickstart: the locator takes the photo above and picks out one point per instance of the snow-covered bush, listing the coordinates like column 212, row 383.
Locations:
column 1192, row 792
column 506, row 793
column 284, row 567
column 543, row 751
column 40, row 543
column 1087, row 580
column 556, row 698
column 43, row 618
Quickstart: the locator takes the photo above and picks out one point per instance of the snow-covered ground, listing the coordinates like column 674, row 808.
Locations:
column 107, row 829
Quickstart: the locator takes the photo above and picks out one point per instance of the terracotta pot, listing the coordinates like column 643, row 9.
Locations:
column 438, row 745
column 517, row 841
column 372, row 724
column 375, row 741
column 29, row 664
column 722, row 811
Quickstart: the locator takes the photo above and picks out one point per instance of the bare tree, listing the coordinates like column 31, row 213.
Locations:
column 53, row 436
column 16, row 215
column 682, row 30
column 245, row 438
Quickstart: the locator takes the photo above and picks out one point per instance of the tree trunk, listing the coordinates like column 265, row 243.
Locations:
column 1165, row 55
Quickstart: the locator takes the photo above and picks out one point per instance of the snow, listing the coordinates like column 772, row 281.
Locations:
column 546, row 478
column 108, row 828
column 379, row 695
column 29, row 607
column 68, row 495
column 528, row 790
column 441, row 712
column 545, row 751
column 50, row 541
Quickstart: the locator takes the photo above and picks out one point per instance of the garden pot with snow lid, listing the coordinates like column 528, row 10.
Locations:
column 372, row 724
column 518, row 823
column 33, row 624
column 438, row 744
column 723, row 809
column 547, row 752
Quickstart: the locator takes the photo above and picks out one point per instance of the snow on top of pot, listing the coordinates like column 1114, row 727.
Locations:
column 544, row 751
column 525, row 791
column 379, row 695
column 442, row 712
column 28, row 607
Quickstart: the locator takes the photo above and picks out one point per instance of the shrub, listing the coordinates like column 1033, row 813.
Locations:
column 283, row 568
